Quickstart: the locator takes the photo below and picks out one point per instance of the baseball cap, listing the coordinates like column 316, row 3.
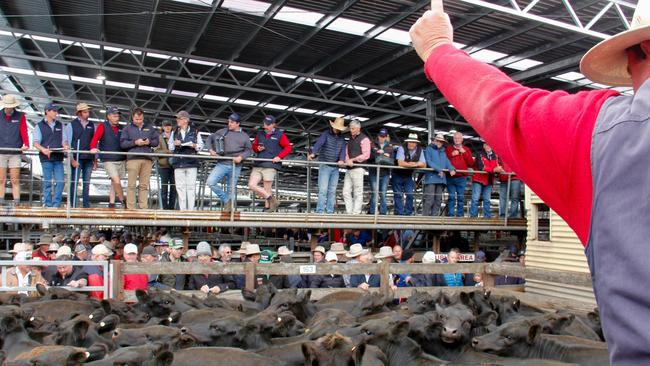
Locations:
column 269, row 119
column 191, row 253
column 331, row 256
column 266, row 256
column 113, row 110
column 176, row 243
column 235, row 117
column 52, row 107
column 130, row 249
column 149, row 250
column 166, row 122
column 79, row 248
column 383, row 132
column 183, row 114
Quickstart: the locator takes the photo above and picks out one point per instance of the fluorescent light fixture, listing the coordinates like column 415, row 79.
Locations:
column 120, row 84
column 571, row 76
column 102, row 111
column 486, row 55
column 246, row 102
column 101, row 77
column 44, row 39
column 395, row 36
column 305, row 110
column 332, row 115
column 392, row 124
column 151, row 88
column 350, row 26
column 246, row 6
column 299, row 16
column 201, row 62
column 362, row 88
column 52, row 75
column 158, row 55
column 320, row 81
column 414, row 97
column 524, row 64
column 215, row 97
column 283, row 75
column 86, row 80
column 17, row 70
column 276, row 106
column 185, row 93
column 362, row 119
column 244, row 69
column 91, row 45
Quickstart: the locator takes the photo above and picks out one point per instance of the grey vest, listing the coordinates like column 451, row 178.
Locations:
column 619, row 235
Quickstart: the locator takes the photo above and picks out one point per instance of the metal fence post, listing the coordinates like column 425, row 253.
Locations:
column 308, row 187
column 376, row 194
column 233, row 191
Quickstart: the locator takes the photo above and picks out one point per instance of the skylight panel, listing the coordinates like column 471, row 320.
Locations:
column 332, row 115
column 299, row 16
column 571, row 76
column 486, row 55
column 524, row 64
column 195, row 2
column 350, row 26
column 395, row 36
column 246, row 6
column 392, row 124
column 305, row 110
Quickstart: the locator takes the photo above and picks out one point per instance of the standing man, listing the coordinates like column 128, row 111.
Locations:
column 461, row 158
column 165, row 169
column 139, row 136
column 13, row 135
column 185, row 141
column 382, row 153
column 357, row 150
column 584, row 154
column 269, row 143
column 409, row 156
column 233, row 142
column 329, row 148
column 107, row 138
column 80, row 133
column 482, row 182
column 436, row 181
column 50, row 141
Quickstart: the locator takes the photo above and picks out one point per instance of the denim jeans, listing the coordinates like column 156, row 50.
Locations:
column 515, row 198
column 219, row 172
column 167, row 188
column 83, row 171
column 383, row 188
column 480, row 191
column 53, row 170
column 456, row 202
column 403, row 186
column 328, row 179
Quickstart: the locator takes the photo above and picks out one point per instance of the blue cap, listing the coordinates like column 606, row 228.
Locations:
column 383, row 132
column 269, row 119
column 113, row 110
column 52, row 107
column 235, row 117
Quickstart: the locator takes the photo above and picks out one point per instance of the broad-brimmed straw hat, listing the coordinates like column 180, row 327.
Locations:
column 9, row 101
column 384, row 252
column 338, row 248
column 252, row 249
column 338, row 124
column 356, row 250
column 283, row 250
column 606, row 62
column 413, row 137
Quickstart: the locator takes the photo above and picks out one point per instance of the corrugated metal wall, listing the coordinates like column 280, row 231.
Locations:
column 563, row 252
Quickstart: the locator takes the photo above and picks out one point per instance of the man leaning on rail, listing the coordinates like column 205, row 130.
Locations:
column 584, row 154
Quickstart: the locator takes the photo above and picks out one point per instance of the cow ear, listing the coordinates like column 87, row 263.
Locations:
column 41, row 289
column 594, row 316
column 79, row 330
column 142, row 296
column 533, row 332
column 310, row 353
column 516, row 304
column 401, row 330
column 464, row 298
column 487, row 318
column 8, row 324
column 358, row 353
column 306, row 295
column 106, row 306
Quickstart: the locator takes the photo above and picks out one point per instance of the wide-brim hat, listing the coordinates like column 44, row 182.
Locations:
column 252, row 249
column 338, row 124
column 412, row 137
column 242, row 247
column 439, row 137
column 64, row 251
column 46, row 239
column 100, row 249
column 355, row 251
column 283, row 250
column 338, row 248
column 606, row 62
column 384, row 252
column 319, row 248
column 82, row 107
column 9, row 101
column 20, row 247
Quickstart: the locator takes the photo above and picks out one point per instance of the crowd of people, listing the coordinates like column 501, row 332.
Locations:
column 125, row 152
column 161, row 247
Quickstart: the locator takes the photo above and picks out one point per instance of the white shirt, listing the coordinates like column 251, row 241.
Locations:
column 23, row 281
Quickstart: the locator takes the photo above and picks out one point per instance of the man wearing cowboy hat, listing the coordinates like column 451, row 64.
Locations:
column 329, row 148
column 583, row 154
column 362, row 256
column 107, row 138
column 50, row 141
column 43, row 244
column 408, row 156
column 80, row 132
column 435, row 181
column 13, row 135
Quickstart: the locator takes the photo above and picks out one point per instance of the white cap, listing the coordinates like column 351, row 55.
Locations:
column 23, row 256
column 331, row 256
column 100, row 249
column 429, row 257
column 130, row 249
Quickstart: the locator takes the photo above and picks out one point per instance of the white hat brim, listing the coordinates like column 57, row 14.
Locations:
column 409, row 140
column 606, row 62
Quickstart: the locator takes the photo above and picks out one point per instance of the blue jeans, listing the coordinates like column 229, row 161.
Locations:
column 328, row 179
column 403, row 186
column 456, row 202
column 219, row 172
column 383, row 188
column 480, row 191
column 167, row 188
column 515, row 198
column 53, row 170
column 83, row 171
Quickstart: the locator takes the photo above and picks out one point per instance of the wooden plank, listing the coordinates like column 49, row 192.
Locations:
column 249, row 269
column 436, row 268
column 572, row 278
column 385, row 277
column 118, row 280
column 506, row 269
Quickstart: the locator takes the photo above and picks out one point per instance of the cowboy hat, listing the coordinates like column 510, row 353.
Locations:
column 283, row 250
column 439, row 137
column 9, row 101
column 413, row 137
column 319, row 248
column 243, row 246
column 82, row 107
column 356, row 250
column 384, row 252
column 337, row 248
column 606, row 62
column 252, row 249
column 338, row 124
column 21, row 247
column 429, row 257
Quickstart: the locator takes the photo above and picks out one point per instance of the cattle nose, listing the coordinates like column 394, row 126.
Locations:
column 183, row 330
column 474, row 342
column 450, row 331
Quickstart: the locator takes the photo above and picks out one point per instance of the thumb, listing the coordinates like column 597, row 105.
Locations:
column 436, row 6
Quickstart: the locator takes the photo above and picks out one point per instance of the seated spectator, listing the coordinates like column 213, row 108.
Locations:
column 397, row 253
column 385, row 254
column 339, row 250
column 191, row 255
column 134, row 281
column 81, row 252
column 356, row 250
column 209, row 283
column 175, row 254
column 318, row 253
column 405, row 279
column 512, row 256
column 96, row 273
column 330, row 280
column 363, row 281
column 251, row 254
column 478, row 280
column 24, row 275
column 43, row 244
column 427, row 279
column 51, row 251
column 479, row 257
column 225, row 253
column 150, row 255
column 68, row 275
column 21, row 247
column 453, row 279
column 359, row 237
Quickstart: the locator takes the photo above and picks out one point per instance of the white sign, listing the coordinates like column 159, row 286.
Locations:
column 309, row 269
column 462, row 257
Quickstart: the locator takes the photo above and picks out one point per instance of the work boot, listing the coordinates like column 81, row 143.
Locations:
column 226, row 207
column 273, row 204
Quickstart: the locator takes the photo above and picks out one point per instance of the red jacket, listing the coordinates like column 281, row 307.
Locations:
column 483, row 163
column 462, row 161
column 95, row 279
column 38, row 254
column 544, row 136
column 135, row 281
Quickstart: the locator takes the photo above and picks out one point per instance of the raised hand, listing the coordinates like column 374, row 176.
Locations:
column 433, row 29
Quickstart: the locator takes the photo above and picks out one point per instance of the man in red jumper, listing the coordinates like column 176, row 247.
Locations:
column 567, row 149
column 485, row 161
column 461, row 158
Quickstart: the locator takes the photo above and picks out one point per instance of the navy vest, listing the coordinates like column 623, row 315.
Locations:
column 407, row 158
column 10, row 132
column 82, row 135
column 51, row 139
column 620, row 225
column 190, row 136
column 111, row 142
column 354, row 146
column 271, row 148
column 331, row 149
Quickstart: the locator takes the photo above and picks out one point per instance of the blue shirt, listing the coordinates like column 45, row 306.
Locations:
column 400, row 154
